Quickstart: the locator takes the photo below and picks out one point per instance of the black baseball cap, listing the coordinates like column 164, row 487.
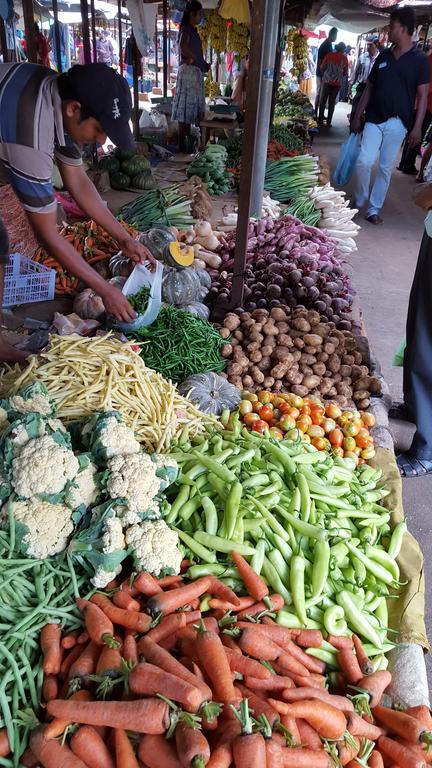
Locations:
column 105, row 95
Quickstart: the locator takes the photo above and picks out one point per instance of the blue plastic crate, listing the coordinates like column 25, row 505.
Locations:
column 26, row 281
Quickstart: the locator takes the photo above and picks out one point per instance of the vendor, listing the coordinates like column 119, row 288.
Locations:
column 44, row 115
column 189, row 100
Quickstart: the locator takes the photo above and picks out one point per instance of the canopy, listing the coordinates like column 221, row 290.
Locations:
column 347, row 14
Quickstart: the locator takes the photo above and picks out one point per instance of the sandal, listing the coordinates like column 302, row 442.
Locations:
column 409, row 466
column 400, row 411
column 374, row 219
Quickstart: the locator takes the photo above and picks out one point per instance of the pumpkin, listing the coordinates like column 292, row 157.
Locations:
column 120, row 266
column 178, row 255
column 156, row 239
column 210, row 392
column 143, row 180
column 88, row 305
column 124, row 154
column 197, row 308
column 135, row 165
column 120, row 180
column 204, row 277
column 180, row 286
column 109, row 163
column 118, row 281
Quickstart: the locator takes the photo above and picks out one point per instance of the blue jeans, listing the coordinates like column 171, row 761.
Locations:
column 385, row 139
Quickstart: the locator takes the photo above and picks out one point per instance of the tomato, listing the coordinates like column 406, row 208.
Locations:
column 256, row 406
column 349, row 444
column 306, row 439
column 344, row 418
column 260, row 426
column 287, row 422
column 250, row 419
column 338, row 451
column 285, row 408
column 363, row 438
column 276, row 433
column 318, row 408
column 266, row 412
column 303, row 424
column 361, row 460
column 305, row 410
column 351, row 429
column 315, row 431
column 294, row 435
column 368, row 453
column 278, row 401
column 320, row 443
column 333, row 411
column 245, row 407
column 295, row 400
column 265, row 397
column 328, row 425
column 368, row 419
column 336, row 437
column 357, row 450
column 351, row 455
column 317, row 418
column 249, row 396
column 295, row 413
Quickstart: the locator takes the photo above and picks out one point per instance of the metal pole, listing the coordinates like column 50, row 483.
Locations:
column 93, row 28
column 120, row 33
column 57, row 45
column 29, row 29
column 85, row 31
column 169, row 47
column 156, row 55
column 278, row 60
column 264, row 25
column 3, row 45
column 165, row 47
column 135, row 119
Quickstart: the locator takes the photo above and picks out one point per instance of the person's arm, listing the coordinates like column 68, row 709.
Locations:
column 415, row 135
column 45, row 228
column 184, row 47
column 423, row 197
column 86, row 195
column 356, row 126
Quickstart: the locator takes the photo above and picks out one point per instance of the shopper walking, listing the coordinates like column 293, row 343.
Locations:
column 362, row 70
column 333, row 69
column 42, row 55
column 409, row 154
column 189, row 101
column 399, row 76
column 325, row 48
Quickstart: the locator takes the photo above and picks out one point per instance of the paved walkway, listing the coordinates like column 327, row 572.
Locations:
column 383, row 270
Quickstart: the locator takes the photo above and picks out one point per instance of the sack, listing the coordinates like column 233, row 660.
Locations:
column 139, row 277
column 348, row 157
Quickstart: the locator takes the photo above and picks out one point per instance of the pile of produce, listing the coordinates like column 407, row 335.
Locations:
column 292, row 103
column 168, row 206
column 288, row 264
column 92, row 243
column 179, row 343
column 238, row 39
column 326, row 427
column 299, row 53
column 290, row 177
column 303, row 208
column 126, row 169
column 336, row 217
column 309, row 523
column 296, row 352
column 201, row 204
column 282, row 143
column 217, row 32
column 84, row 376
column 211, row 89
column 210, row 167
column 270, row 208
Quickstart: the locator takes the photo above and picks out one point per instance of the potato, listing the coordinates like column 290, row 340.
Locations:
column 265, row 363
column 360, row 394
column 300, row 390
column 257, row 375
column 322, row 329
column 343, row 389
column 348, row 359
column 245, row 316
column 284, row 340
column 310, row 381
column 319, row 369
column 296, row 334
column 301, row 324
column 247, row 381
column 226, row 350
column 306, row 359
column 294, row 376
column 363, row 404
column 231, row 321
column 296, row 355
column 278, row 314
column 312, row 339
column 255, row 357
column 345, row 370
column 329, row 348
column 306, row 370
column 283, row 327
column 237, row 381
column 358, row 359
column 238, row 335
column 332, row 392
column 225, row 333
column 364, row 370
column 333, row 363
column 268, row 382
column 375, row 386
column 234, row 369
column 278, row 386
column 270, row 329
column 253, row 346
column 336, row 377
column 299, row 343
column 279, row 371
column 313, row 317
column 224, row 374
column 269, row 341
column 266, row 350
column 322, row 357
column 234, row 342
column 256, row 336
column 350, row 343
column 282, row 353
column 325, row 386
column 260, row 314
column 308, row 350
column 362, row 383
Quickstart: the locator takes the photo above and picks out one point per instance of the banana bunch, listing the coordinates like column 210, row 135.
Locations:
column 217, row 32
column 300, row 50
column 290, row 37
column 211, row 88
column 238, row 39
column 203, row 30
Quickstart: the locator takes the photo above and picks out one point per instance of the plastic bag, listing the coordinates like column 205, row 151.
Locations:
column 398, row 359
column 348, row 157
column 140, row 277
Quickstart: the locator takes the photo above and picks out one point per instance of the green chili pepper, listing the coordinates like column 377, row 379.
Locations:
column 232, row 506
column 297, row 572
column 334, row 621
column 258, row 556
column 178, row 503
column 272, row 577
column 305, row 529
column 198, row 549
column 356, row 619
column 384, row 559
column 279, row 563
column 211, row 517
column 396, row 539
column 320, row 569
column 381, row 573
column 222, row 545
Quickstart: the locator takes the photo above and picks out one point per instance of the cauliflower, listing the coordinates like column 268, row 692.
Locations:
column 134, row 479
column 43, row 466
column 4, row 414
column 43, row 529
column 34, row 398
column 28, row 427
column 83, row 491
column 112, row 541
column 106, row 436
column 155, row 547
column 100, row 543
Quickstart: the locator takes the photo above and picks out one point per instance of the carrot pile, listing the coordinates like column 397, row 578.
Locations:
column 276, row 150
column 169, row 674
column 91, row 242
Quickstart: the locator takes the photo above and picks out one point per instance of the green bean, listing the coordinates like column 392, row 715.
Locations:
column 5, row 709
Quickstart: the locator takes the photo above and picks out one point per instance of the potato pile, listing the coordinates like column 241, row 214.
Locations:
column 294, row 351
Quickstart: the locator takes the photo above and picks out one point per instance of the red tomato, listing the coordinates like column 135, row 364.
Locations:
column 285, row 408
column 328, row 425
column 287, row 422
column 257, row 406
column 363, row 438
column 260, row 426
column 250, row 419
column 245, row 407
column 315, row 431
column 320, row 443
column 276, row 433
column 303, row 423
column 266, row 412
column 336, row 437
column 333, row 411
column 305, row 410
column 265, row 397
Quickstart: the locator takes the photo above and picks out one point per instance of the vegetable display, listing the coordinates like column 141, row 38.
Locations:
column 179, row 344
column 280, row 351
column 210, row 392
column 289, row 177
column 127, row 169
column 210, row 167
column 160, row 206
column 139, row 301
column 336, row 217
column 85, row 375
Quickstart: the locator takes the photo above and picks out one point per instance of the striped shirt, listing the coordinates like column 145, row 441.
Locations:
column 32, row 134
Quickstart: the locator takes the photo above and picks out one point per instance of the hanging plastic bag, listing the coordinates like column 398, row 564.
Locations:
column 139, row 278
column 348, row 157
column 235, row 9
column 399, row 355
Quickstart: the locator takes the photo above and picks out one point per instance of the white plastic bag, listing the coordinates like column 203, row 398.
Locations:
column 140, row 277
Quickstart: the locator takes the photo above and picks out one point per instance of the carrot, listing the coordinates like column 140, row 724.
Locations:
column 70, row 640
column 214, row 662
column 229, row 642
column 348, row 750
column 290, row 665
column 98, row 625
column 313, row 680
column 221, row 605
column 156, row 752
column 168, row 602
column 279, row 635
column 29, row 759
column 276, row 601
column 51, row 753
column 401, row 724
column 82, row 638
column 375, row 686
column 308, row 638
column 308, row 735
column 146, row 584
column 240, row 663
column 192, row 617
column 357, row 726
column 58, row 725
column 163, row 659
column 192, row 747
column 259, row 706
column 305, row 758
column 329, row 722
column 249, row 751
column 130, row 651
column 299, row 694
column 4, row 743
column 167, row 581
column 422, row 713
column 140, row 622
column 340, row 642
column 86, row 662
column 403, row 756
column 219, row 589
column 128, row 588
column 124, row 600
column 90, row 747
column 312, row 665
column 254, row 584
column 50, row 639
column 221, row 756
column 272, row 683
column 109, row 662
column 49, row 688
column 363, row 659
column 290, row 725
column 144, row 715
column 349, row 665
column 168, row 626
column 148, row 680
column 257, row 645
column 375, row 760
column 124, row 751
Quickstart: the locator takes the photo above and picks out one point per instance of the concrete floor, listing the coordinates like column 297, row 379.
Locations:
column 383, row 270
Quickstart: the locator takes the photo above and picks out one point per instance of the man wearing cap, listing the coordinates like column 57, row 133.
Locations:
column 45, row 115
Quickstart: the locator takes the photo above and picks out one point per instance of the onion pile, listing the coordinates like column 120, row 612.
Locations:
column 288, row 264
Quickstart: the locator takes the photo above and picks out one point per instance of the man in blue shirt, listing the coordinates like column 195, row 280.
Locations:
column 396, row 90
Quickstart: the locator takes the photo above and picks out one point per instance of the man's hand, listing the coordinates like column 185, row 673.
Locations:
column 137, row 252
column 117, row 305
column 356, row 124
column 414, row 138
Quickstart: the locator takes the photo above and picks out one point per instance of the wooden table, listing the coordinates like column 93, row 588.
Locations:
column 216, row 125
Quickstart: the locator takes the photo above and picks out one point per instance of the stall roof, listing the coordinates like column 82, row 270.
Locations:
column 352, row 15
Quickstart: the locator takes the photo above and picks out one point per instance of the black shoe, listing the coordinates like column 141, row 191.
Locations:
column 410, row 171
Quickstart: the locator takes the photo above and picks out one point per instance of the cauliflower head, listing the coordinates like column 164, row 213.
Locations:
column 155, row 547
column 43, row 529
column 34, row 398
column 43, row 466
column 28, row 427
column 106, row 436
column 134, row 479
column 112, row 541
column 83, row 491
